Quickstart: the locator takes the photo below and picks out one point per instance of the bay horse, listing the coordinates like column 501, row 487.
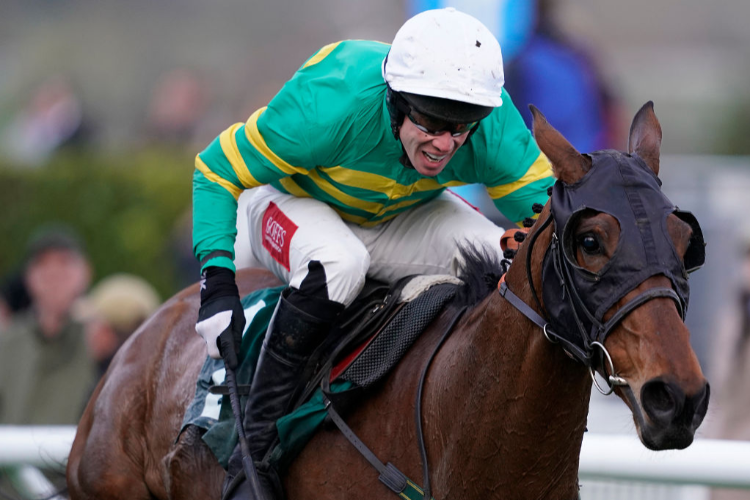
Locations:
column 503, row 409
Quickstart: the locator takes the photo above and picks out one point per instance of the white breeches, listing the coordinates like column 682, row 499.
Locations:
column 286, row 232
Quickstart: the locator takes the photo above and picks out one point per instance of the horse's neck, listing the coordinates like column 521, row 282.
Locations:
column 512, row 407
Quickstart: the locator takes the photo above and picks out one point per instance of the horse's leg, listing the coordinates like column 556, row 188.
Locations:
column 98, row 469
column 191, row 469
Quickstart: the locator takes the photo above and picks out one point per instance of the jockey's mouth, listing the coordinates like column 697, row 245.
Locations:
column 435, row 158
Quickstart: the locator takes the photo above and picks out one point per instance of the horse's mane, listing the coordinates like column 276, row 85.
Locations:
column 480, row 271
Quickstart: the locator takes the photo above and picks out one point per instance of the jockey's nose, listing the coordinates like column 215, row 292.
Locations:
column 444, row 142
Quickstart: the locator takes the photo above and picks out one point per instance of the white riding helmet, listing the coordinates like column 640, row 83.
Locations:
column 447, row 54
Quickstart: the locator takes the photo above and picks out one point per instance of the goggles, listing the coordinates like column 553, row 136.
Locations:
column 437, row 127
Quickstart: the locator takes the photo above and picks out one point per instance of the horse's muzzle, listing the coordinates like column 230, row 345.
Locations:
column 673, row 416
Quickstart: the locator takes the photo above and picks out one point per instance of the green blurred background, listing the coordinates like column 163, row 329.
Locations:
column 132, row 211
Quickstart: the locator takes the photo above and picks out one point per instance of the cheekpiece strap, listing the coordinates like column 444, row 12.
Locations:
column 569, row 347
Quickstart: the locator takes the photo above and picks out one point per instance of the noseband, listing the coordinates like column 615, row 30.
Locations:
column 576, row 299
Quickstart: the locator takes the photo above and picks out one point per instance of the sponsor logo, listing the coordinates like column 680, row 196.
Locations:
column 274, row 234
column 278, row 231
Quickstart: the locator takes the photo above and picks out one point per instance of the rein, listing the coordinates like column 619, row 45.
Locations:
column 570, row 348
column 390, row 475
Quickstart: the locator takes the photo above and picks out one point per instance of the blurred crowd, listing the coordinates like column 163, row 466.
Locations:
column 58, row 334
column 54, row 117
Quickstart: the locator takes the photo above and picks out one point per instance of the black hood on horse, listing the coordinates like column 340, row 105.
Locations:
column 623, row 186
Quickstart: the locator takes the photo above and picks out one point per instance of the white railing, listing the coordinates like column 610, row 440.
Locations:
column 39, row 446
column 706, row 462
column 710, row 462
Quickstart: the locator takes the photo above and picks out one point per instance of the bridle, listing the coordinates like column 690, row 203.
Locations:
column 574, row 321
column 575, row 352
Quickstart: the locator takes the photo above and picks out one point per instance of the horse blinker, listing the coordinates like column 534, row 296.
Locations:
column 624, row 187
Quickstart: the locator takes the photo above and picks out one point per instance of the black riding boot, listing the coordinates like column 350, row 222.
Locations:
column 291, row 338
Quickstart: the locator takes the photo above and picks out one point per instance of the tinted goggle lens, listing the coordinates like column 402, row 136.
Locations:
column 434, row 127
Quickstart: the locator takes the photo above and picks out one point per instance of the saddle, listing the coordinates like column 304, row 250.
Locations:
column 363, row 346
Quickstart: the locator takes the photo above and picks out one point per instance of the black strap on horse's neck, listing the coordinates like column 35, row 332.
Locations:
column 531, row 314
column 418, row 407
column 393, row 478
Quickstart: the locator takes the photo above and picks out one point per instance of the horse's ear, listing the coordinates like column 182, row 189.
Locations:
column 645, row 136
column 568, row 164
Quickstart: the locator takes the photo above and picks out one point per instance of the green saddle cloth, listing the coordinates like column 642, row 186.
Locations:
column 214, row 413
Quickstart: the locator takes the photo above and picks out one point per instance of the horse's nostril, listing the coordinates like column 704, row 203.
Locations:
column 662, row 401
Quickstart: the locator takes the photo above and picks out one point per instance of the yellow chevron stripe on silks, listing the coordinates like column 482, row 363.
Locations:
column 232, row 152
column 399, row 205
column 361, row 220
column 382, row 184
column 293, row 188
column 540, row 169
column 357, row 219
column 321, row 54
column 257, row 141
column 374, row 223
column 208, row 174
column 346, row 199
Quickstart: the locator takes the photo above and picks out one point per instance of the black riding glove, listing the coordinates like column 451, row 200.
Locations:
column 221, row 319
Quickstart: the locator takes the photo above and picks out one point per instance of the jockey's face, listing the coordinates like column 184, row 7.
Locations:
column 429, row 154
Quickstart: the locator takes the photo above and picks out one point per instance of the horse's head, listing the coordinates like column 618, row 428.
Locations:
column 615, row 278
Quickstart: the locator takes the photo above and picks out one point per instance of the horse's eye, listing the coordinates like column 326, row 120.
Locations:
column 589, row 244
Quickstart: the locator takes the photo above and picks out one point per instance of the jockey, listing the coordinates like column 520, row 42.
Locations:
column 352, row 159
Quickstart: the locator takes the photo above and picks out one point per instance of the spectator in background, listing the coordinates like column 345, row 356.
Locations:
column 178, row 107
column 13, row 298
column 555, row 74
column 45, row 369
column 52, row 118
column 113, row 310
